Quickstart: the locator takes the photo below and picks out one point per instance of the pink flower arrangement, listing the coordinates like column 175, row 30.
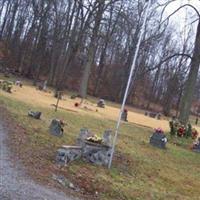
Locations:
column 159, row 130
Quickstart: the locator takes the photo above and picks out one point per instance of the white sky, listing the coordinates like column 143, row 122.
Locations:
column 181, row 18
column 184, row 17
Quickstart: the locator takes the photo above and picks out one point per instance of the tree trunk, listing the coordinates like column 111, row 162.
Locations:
column 91, row 51
column 186, row 100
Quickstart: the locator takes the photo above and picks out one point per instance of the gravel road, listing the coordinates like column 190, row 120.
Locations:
column 15, row 185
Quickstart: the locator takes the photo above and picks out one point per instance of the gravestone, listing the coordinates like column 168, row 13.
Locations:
column 125, row 115
column 35, row 115
column 158, row 140
column 196, row 146
column 158, row 116
column 152, row 114
column 18, row 83
column 68, row 154
column 101, row 103
column 56, row 127
column 45, row 86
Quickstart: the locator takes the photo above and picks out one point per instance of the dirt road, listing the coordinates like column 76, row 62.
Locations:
column 15, row 185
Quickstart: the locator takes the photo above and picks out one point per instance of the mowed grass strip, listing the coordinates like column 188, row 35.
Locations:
column 139, row 170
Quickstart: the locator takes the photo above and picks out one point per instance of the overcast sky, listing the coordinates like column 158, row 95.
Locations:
column 184, row 17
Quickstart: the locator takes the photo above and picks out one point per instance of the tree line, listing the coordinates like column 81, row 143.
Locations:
column 88, row 46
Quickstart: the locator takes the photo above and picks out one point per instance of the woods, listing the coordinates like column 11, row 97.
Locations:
column 88, row 46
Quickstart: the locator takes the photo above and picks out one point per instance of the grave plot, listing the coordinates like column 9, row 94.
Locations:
column 89, row 147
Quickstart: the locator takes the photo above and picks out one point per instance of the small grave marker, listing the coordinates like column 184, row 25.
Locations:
column 35, row 115
column 125, row 115
column 196, row 146
column 101, row 103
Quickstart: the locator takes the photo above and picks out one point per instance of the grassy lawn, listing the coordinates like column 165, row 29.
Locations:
column 139, row 170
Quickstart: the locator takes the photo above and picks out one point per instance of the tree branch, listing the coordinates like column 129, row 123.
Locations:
column 168, row 58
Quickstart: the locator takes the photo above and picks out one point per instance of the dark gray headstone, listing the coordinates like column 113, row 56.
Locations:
column 158, row 140
column 35, row 115
column 125, row 116
column 152, row 115
column 56, row 128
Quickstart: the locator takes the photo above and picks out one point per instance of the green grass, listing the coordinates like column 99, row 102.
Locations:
column 139, row 170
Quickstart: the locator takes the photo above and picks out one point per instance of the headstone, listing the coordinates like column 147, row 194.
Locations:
column 101, row 103
column 158, row 140
column 196, row 146
column 125, row 115
column 159, row 116
column 56, row 127
column 45, row 85
column 18, row 83
column 152, row 114
column 74, row 96
column 35, row 115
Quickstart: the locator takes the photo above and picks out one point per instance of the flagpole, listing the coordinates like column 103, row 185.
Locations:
column 128, row 84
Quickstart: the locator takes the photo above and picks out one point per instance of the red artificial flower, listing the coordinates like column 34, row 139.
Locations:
column 181, row 131
column 159, row 130
column 76, row 104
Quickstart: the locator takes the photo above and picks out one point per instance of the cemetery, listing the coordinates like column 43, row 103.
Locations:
column 59, row 134
column 99, row 100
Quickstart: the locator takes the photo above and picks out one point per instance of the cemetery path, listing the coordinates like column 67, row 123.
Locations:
column 15, row 185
